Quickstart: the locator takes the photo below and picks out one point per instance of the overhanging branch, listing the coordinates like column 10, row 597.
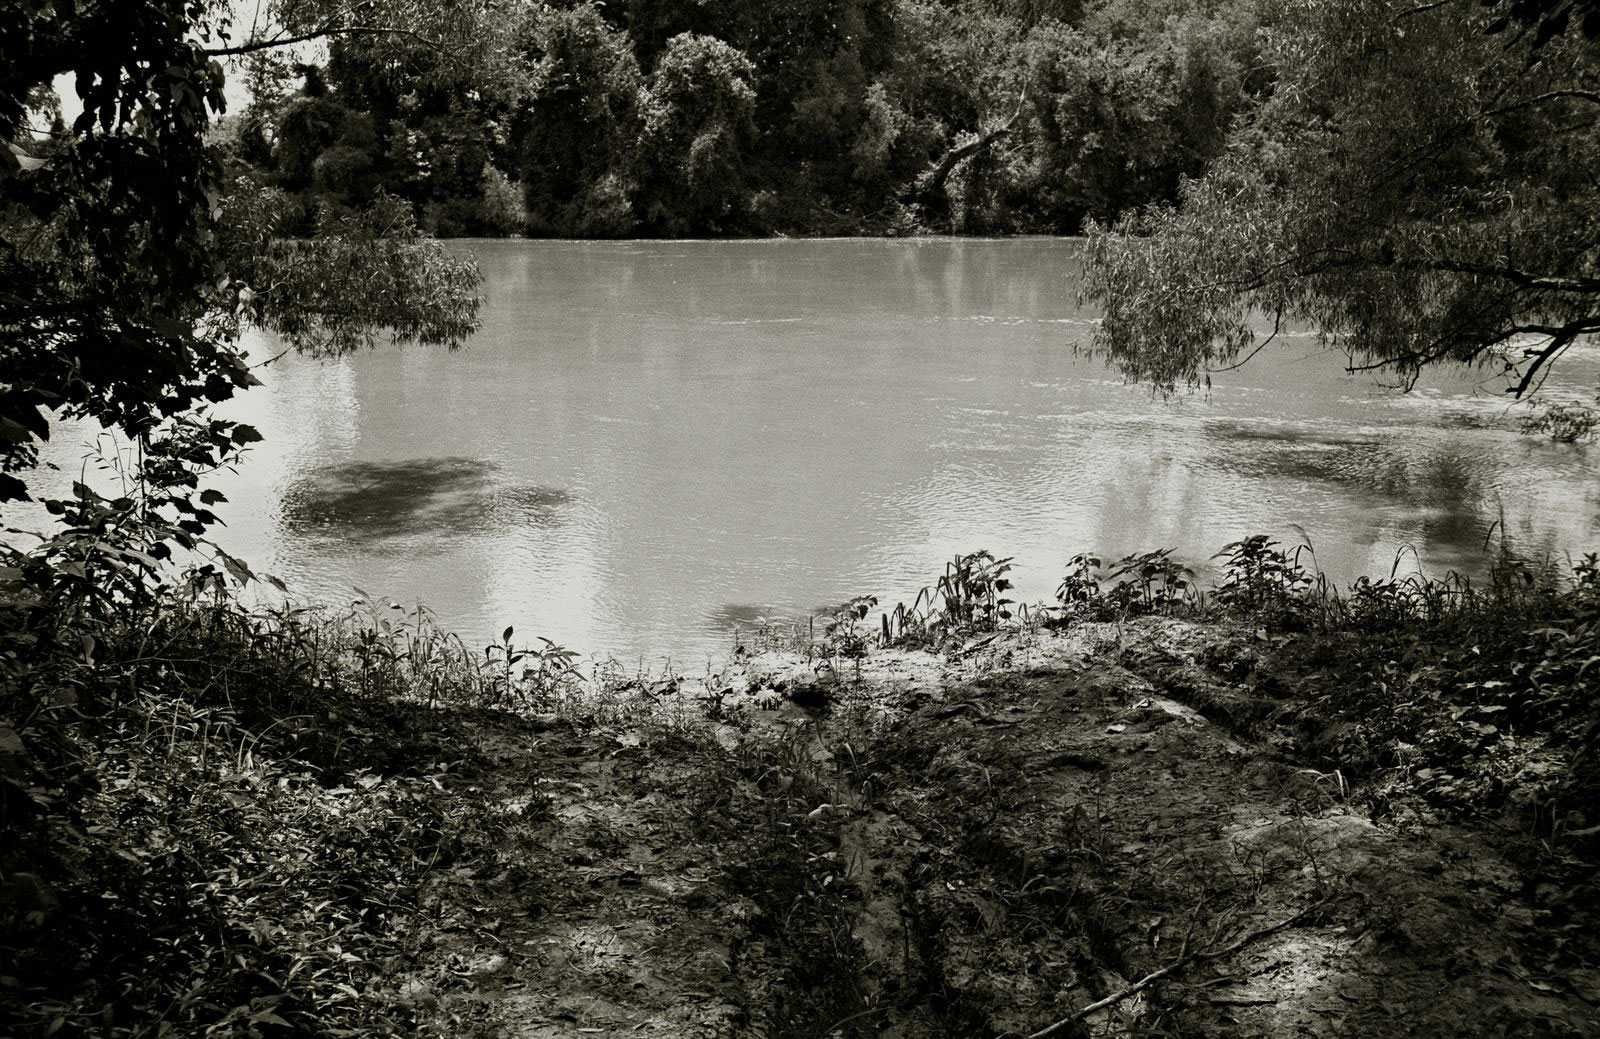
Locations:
column 320, row 34
column 1560, row 339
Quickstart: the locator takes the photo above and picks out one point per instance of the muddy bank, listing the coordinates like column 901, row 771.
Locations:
column 989, row 844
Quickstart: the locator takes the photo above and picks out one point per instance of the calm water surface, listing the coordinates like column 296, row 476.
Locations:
column 649, row 442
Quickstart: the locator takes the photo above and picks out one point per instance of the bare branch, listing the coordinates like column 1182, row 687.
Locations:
column 1553, row 95
column 1422, row 9
column 1560, row 339
column 1184, row 959
column 321, row 33
column 1277, row 324
column 1546, row 283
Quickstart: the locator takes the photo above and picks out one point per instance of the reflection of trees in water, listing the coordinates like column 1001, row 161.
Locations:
column 1447, row 495
column 1152, row 500
column 361, row 501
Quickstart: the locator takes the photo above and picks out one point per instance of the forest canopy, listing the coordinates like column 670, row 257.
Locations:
column 726, row 117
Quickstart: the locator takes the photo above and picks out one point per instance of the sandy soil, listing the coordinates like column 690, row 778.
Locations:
column 985, row 844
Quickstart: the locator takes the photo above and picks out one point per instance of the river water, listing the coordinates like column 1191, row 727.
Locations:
column 651, row 442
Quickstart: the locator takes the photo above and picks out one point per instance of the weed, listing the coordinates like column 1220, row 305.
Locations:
column 1262, row 580
column 967, row 599
column 972, row 592
column 1149, row 583
column 1080, row 593
column 846, row 637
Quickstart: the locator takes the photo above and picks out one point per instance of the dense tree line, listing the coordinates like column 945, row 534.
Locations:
column 727, row 117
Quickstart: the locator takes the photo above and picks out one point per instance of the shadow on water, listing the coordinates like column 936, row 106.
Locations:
column 1447, row 492
column 741, row 615
column 1389, row 468
column 360, row 501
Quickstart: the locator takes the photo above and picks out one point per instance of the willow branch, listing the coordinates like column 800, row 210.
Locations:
column 1560, row 339
column 1277, row 325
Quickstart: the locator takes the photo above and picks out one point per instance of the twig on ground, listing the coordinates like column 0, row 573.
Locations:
column 1184, row 959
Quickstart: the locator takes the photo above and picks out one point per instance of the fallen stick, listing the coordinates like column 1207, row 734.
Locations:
column 1182, row 961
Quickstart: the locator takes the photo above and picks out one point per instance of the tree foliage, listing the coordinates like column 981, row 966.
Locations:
column 698, row 130
column 1414, row 189
column 577, row 123
column 867, row 115
column 131, row 260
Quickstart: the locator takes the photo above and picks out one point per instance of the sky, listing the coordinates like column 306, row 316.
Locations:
column 244, row 15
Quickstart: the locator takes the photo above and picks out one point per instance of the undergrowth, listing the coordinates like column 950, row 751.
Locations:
column 1477, row 695
column 238, row 821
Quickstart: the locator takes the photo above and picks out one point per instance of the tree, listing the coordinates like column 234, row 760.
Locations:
column 1120, row 122
column 1415, row 189
column 699, row 129
column 960, row 70
column 129, row 265
column 577, row 123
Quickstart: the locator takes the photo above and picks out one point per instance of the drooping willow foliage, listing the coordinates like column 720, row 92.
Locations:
column 1416, row 189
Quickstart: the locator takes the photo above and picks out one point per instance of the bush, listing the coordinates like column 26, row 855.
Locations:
column 231, row 820
column 501, row 212
column 221, row 818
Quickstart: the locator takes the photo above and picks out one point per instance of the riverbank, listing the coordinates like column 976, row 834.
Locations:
column 995, row 843
column 1158, row 824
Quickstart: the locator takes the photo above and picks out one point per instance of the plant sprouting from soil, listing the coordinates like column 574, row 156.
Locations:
column 846, row 634
column 1261, row 579
column 1150, row 582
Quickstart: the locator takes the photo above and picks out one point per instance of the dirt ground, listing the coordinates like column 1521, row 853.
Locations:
column 987, row 844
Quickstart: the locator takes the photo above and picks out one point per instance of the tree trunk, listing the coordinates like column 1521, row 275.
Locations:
column 929, row 188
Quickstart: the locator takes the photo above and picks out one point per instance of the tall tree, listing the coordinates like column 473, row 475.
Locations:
column 578, row 122
column 699, row 129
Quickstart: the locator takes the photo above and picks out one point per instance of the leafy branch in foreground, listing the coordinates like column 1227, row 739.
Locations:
column 129, row 263
column 129, row 267
column 364, row 272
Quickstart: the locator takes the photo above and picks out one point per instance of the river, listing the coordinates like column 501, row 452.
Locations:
column 649, row 442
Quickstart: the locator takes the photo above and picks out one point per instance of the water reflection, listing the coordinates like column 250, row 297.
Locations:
column 651, row 442
column 365, row 501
